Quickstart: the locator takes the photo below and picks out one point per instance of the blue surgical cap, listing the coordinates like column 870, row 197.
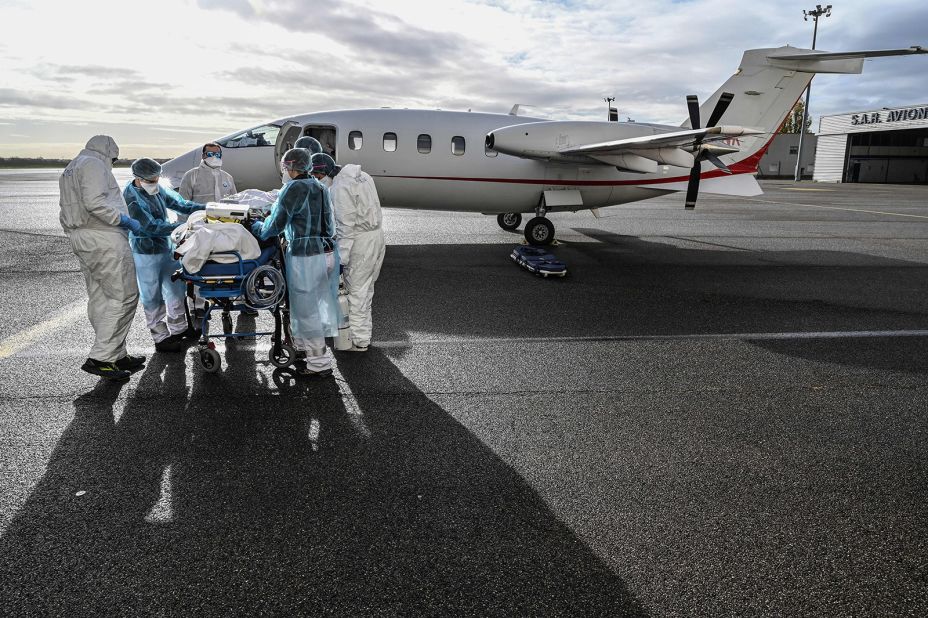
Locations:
column 146, row 168
column 309, row 143
column 323, row 163
column 297, row 159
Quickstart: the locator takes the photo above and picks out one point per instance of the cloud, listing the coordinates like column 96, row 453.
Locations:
column 372, row 35
column 271, row 59
column 10, row 97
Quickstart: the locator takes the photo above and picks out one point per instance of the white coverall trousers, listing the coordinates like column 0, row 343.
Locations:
column 112, row 294
column 365, row 257
column 162, row 299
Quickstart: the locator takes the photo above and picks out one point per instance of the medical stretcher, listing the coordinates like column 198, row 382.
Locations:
column 243, row 285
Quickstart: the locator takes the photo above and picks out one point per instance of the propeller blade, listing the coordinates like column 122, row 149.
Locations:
column 720, row 107
column 692, row 104
column 692, row 189
column 714, row 160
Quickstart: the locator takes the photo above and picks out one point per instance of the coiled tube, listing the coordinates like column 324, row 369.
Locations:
column 265, row 287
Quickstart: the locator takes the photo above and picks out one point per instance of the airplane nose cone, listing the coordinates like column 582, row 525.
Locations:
column 490, row 141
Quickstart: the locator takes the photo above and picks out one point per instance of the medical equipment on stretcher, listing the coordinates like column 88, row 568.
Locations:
column 226, row 213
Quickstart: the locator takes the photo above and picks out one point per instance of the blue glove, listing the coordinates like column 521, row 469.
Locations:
column 129, row 223
column 257, row 227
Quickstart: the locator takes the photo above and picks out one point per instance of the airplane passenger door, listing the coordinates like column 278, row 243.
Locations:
column 288, row 135
column 326, row 136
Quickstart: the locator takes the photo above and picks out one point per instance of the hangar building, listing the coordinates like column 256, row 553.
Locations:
column 889, row 145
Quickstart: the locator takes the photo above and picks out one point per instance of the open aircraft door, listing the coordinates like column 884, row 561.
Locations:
column 289, row 133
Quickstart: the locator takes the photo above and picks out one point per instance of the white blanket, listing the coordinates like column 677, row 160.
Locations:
column 198, row 241
column 254, row 198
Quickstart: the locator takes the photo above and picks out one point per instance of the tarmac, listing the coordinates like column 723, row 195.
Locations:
column 717, row 412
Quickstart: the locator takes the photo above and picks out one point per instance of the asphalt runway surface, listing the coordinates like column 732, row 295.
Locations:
column 718, row 412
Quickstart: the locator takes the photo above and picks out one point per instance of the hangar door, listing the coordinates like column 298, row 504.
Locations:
column 895, row 157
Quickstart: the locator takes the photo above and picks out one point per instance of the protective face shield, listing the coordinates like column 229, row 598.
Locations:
column 296, row 159
column 323, row 164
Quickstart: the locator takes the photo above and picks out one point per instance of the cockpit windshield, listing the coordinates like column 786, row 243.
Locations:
column 265, row 135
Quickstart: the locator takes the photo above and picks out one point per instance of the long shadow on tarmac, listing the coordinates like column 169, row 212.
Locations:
column 628, row 286
column 237, row 500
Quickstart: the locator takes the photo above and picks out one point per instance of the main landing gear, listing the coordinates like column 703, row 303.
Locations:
column 539, row 231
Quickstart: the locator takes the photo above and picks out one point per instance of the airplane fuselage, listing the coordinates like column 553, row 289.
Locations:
column 438, row 160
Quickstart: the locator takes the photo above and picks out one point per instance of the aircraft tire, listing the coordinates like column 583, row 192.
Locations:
column 539, row 232
column 509, row 220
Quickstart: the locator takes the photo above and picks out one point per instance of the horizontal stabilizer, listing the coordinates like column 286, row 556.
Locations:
column 810, row 61
column 741, row 185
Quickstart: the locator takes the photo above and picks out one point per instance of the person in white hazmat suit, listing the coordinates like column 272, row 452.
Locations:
column 361, row 245
column 207, row 182
column 95, row 218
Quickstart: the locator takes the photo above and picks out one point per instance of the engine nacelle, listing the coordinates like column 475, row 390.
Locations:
column 545, row 140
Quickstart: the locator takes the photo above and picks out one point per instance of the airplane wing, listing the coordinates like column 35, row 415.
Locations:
column 679, row 148
column 675, row 139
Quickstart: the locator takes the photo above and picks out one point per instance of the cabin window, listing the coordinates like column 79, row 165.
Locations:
column 259, row 136
column 489, row 151
column 424, row 144
column 354, row 140
column 457, row 145
column 389, row 142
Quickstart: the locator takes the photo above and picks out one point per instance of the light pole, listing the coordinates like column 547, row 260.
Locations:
column 815, row 13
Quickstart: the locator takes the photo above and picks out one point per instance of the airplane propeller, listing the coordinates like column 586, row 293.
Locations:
column 702, row 152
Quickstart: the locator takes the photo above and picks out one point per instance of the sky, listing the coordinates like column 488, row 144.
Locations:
column 164, row 77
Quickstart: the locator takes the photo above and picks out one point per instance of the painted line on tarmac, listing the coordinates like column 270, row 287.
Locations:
column 24, row 339
column 411, row 343
column 841, row 334
column 871, row 212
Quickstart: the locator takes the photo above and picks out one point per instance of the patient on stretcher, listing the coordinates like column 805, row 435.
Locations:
column 198, row 242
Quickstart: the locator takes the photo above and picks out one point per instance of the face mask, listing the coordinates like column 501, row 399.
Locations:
column 150, row 187
column 327, row 181
column 213, row 162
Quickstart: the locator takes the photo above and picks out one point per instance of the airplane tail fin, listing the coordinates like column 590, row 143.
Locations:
column 767, row 85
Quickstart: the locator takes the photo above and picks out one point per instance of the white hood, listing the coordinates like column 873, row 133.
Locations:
column 103, row 144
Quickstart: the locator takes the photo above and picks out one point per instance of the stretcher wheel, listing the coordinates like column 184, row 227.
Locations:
column 208, row 360
column 281, row 355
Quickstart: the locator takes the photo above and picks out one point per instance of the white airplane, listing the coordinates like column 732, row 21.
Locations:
column 508, row 164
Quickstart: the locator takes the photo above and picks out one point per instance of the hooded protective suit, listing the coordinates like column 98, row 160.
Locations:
column 360, row 244
column 152, row 250
column 206, row 184
column 91, row 206
column 303, row 212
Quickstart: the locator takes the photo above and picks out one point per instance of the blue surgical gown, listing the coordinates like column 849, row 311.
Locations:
column 303, row 213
